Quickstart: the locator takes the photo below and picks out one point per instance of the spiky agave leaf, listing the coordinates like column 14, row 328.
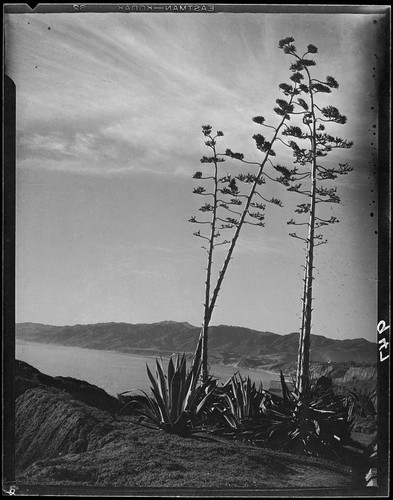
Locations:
column 240, row 403
column 191, row 385
column 162, row 385
column 150, row 409
column 162, row 407
column 209, row 392
column 171, row 371
column 175, row 395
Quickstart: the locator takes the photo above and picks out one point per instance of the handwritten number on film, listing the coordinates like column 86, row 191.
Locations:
column 383, row 343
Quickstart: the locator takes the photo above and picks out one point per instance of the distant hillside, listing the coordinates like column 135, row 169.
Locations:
column 227, row 344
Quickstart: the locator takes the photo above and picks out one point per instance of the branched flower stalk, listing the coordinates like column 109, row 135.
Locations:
column 242, row 208
column 320, row 144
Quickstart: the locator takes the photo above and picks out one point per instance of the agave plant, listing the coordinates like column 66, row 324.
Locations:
column 317, row 425
column 179, row 400
column 239, row 408
column 240, row 401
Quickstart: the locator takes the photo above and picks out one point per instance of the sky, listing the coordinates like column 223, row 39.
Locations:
column 109, row 115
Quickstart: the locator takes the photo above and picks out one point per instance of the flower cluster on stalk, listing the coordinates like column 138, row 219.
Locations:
column 311, row 130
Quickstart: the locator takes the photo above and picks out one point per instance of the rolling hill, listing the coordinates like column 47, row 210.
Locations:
column 227, row 344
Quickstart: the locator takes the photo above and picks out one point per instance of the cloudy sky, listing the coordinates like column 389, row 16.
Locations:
column 109, row 115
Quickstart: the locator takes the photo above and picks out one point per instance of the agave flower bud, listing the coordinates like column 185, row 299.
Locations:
column 206, row 130
column 297, row 77
column 312, row 49
column 258, row 119
column 286, row 88
column 285, row 41
column 332, row 82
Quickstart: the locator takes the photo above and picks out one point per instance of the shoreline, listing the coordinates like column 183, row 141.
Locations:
column 144, row 354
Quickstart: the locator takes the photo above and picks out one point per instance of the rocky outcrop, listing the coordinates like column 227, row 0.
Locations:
column 27, row 377
column 339, row 373
column 355, row 373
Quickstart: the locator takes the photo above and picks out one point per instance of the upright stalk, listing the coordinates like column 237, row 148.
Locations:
column 321, row 144
column 303, row 364
column 207, row 312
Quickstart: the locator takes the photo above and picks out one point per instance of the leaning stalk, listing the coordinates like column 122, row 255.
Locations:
column 210, row 308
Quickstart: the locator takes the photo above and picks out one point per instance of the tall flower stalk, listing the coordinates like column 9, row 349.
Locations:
column 312, row 131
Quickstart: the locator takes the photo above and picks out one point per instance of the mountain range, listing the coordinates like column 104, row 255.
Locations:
column 227, row 344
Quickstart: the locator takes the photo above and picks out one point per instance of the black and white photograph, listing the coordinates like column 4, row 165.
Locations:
column 196, row 257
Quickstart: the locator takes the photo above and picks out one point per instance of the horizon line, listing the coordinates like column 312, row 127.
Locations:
column 186, row 322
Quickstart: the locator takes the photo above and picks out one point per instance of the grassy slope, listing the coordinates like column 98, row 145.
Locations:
column 62, row 441
column 136, row 457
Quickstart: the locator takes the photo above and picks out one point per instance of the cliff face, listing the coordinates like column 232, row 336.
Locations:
column 359, row 373
column 340, row 374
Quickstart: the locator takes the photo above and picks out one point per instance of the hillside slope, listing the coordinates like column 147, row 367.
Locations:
column 225, row 342
column 62, row 441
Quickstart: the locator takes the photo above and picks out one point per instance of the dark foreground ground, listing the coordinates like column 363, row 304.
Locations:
column 69, row 434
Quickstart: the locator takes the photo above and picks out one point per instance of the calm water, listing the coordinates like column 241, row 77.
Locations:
column 113, row 372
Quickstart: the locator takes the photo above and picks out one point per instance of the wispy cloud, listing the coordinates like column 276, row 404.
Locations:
column 126, row 97
column 124, row 92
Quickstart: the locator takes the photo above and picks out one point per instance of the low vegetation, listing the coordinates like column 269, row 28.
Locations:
column 133, row 456
column 180, row 403
column 64, row 439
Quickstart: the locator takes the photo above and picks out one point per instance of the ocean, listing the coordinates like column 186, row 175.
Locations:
column 114, row 372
